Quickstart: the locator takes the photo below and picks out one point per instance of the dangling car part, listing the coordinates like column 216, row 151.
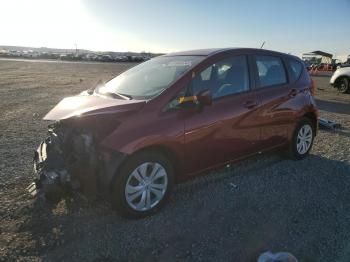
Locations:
column 64, row 152
column 328, row 124
column 70, row 158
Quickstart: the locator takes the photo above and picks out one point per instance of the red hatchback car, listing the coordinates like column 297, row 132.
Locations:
column 171, row 118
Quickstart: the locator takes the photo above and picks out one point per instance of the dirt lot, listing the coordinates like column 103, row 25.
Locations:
column 263, row 203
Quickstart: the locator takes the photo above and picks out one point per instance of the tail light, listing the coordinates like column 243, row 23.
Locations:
column 312, row 87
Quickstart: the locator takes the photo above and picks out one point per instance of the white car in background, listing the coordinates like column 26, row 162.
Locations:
column 341, row 79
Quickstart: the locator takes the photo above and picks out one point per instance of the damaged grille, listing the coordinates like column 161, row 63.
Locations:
column 65, row 160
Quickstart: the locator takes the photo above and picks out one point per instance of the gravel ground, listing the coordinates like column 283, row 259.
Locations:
column 264, row 203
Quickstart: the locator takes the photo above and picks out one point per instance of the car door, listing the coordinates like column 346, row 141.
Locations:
column 226, row 129
column 275, row 113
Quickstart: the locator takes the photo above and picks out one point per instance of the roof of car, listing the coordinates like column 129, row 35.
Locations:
column 212, row 51
column 201, row 52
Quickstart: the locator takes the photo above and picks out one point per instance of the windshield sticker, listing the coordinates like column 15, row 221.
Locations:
column 179, row 63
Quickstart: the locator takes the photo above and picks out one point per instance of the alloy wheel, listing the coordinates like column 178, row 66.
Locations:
column 146, row 186
column 304, row 139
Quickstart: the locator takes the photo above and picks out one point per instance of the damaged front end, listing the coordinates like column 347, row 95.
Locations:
column 67, row 159
column 71, row 157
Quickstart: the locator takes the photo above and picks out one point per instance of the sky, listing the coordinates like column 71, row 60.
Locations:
column 293, row 26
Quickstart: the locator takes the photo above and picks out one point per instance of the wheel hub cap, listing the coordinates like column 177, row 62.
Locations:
column 146, row 186
column 304, row 139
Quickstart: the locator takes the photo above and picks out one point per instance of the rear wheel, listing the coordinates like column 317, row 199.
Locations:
column 143, row 185
column 302, row 140
column 343, row 85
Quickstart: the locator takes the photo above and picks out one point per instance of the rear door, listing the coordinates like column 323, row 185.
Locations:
column 276, row 98
column 227, row 129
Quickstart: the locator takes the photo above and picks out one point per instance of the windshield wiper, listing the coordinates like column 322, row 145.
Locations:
column 117, row 95
column 113, row 94
column 128, row 97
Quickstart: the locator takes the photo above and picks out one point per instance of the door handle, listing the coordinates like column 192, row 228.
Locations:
column 250, row 104
column 293, row 92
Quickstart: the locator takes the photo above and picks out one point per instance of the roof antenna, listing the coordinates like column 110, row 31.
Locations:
column 262, row 45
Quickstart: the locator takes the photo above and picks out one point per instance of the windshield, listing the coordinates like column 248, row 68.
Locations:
column 150, row 78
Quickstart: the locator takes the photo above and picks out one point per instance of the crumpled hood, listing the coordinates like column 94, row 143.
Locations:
column 82, row 105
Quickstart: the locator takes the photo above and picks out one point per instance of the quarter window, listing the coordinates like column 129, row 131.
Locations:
column 270, row 71
column 295, row 68
column 226, row 77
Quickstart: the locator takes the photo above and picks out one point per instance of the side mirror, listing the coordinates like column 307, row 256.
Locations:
column 205, row 98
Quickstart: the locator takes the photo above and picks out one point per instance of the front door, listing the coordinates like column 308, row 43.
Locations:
column 227, row 129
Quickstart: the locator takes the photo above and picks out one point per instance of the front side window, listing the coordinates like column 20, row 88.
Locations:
column 226, row 77
column 150, row 78
column 270, row 71
column 206, row 74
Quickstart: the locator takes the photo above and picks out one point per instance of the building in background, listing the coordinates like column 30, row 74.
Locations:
column 317, row 57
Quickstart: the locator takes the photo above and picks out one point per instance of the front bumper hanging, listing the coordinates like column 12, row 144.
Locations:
column 52, row 179
column 64, row 161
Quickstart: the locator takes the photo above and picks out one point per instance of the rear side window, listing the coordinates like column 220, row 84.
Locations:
column 295, row 69
column 270, row 71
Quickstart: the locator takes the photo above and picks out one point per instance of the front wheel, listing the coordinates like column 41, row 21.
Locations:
column 302, row 139
column 143, row 185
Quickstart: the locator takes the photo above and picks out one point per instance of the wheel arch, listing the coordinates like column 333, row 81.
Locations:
column 164, row 150
column 313, row 118
column 336, row 81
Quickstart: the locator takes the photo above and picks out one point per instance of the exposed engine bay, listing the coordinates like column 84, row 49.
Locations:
column 62, row 159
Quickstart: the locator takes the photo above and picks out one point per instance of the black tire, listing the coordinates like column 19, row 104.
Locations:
column 53, row 197
column 293, row 151
column 119, row 200
column 344, row 85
